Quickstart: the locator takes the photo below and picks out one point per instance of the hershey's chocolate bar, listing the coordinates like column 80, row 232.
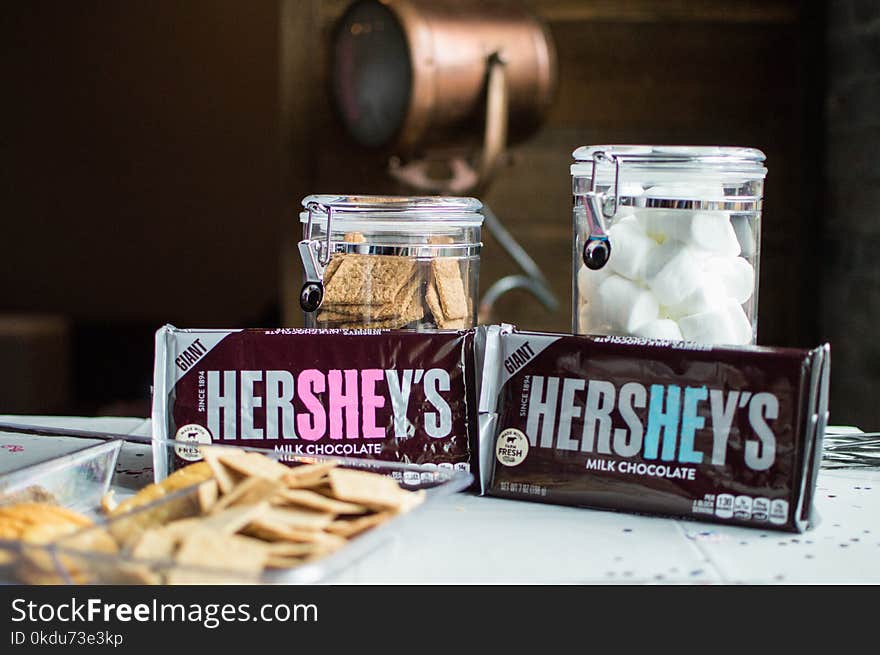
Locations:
column 377, row 394
column 728, row 435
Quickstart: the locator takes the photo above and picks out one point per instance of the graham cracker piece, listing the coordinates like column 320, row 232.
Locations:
column 284, row 555
column 250, row 491
column 409, row 500
column 453, row 324
column 207, row 493
column 32, row 574
column 367, row 489
column 291, row 549
column 400, row 307
column 226, row 477
column 297, row 519
column 354, row 527
column 126, row 574
column 282, row 562
column 323, row 541
column 354, row 237
column 229, row 521
column 252, row 465
column 93, row 540
column 312, row 500
column 450, row 288
column 180, row 479
column 308, row 475
column 108, row 502
column 235, row 553
column 233, row 519
column 413, row 310
column 332, row 266
column 154, row 544
column 368, row 280
column 443, row 323
column 178, row 529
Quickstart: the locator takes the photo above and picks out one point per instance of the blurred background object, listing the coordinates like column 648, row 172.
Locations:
column 155, row 154
column 441, row 81
column 35, row 364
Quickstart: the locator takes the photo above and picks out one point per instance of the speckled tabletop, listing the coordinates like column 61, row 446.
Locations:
column 466, row 539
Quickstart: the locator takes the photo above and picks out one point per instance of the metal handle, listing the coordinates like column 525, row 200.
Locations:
column 314, row 261
column 465, row 177
column 597, row 249
column 497, row 100
column 312, row 293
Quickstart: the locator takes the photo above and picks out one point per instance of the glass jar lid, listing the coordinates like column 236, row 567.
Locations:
column 697, row 160
column 393, row 212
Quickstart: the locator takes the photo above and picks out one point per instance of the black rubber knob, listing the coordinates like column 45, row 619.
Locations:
column 311, row 296
column 596, row 253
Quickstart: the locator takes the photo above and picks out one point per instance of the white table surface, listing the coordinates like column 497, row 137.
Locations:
column 467, row 539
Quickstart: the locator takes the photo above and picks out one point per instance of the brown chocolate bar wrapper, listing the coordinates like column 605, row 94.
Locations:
column 386, row 395
column 721, row 434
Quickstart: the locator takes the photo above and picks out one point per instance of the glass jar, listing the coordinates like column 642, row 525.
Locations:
column 667, row 242
column 390, row 262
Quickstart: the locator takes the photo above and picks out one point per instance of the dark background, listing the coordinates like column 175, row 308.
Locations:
column 153, row 155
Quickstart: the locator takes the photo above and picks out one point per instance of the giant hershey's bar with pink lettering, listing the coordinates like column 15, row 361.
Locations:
column 376, row 394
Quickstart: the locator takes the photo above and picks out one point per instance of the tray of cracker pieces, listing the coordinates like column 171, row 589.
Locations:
column 238, row 516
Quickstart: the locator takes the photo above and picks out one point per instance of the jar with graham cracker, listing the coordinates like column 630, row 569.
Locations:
column 390, row 262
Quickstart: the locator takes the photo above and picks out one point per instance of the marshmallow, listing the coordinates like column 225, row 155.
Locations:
column 709, row 231
column 735, row 274
column 712, row 327
column 727, row 324
column 630, row 248
column 712, row 231
column 709, row 293
column 662, row 328
column 588, row 281
column 624, row 305
column 742, row 326
column 672, row 272
column 628, row 218
column 659, row 224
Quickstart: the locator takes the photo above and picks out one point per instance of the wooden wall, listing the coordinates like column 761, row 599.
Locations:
column 140, row 157
column 155, row 153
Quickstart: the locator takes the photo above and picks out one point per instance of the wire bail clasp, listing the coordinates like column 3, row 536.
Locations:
column 597, row 207
column 314, row 261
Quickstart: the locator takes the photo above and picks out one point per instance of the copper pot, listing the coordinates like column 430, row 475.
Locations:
column 437, row 97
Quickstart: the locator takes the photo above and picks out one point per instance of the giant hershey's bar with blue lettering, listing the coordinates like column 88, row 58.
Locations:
column 730, row 435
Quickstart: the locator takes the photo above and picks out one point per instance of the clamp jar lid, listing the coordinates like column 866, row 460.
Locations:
column 718, row 159
column 419, row 214
column 696, row 172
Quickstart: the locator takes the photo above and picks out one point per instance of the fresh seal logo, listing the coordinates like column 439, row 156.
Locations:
column 197, row 434
column 512, row 447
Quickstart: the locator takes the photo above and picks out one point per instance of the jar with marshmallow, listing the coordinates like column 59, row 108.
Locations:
column 667, row 242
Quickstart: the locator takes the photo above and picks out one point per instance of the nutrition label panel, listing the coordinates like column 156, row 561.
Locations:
column 728, row 506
